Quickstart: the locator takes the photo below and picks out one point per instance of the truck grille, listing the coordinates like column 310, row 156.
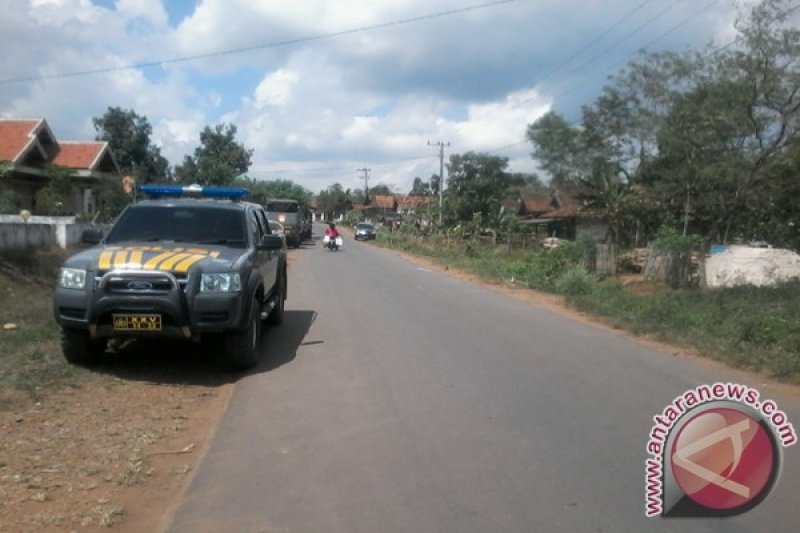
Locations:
column 142, row 282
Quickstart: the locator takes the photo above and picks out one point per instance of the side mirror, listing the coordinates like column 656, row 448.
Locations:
column 270, row 242
column 91, row 236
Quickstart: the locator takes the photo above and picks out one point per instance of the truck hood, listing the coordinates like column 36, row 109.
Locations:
column 177, row 258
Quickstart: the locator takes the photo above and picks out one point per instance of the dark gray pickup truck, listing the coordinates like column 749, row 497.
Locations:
column 179, row 267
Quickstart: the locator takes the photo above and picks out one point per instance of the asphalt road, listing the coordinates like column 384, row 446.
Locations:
column 397, row 399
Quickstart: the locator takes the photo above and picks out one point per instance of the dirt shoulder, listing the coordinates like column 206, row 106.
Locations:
column 91, row 449
column 112, row 451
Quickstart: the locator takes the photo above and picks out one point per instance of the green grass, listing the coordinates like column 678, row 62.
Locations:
column 30, row 357
column 748, row 327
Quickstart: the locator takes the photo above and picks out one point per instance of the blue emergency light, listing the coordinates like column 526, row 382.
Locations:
column 177, row 191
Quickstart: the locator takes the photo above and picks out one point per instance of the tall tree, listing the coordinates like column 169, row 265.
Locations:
column 420, row 188
column 128, row 136
column 724, row 135
column 477, row 183
column 219, row 159
column 556, row 148
column 333, row 201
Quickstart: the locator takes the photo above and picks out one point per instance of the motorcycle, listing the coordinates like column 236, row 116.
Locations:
column 332, row 244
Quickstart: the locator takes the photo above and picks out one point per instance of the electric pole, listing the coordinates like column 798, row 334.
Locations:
column 366, row 183
column 441, row 146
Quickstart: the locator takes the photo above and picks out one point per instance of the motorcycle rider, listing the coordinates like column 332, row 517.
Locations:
column 331, row 233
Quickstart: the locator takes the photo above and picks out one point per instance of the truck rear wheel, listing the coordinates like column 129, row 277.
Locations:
column 80, row 349
column 241, row 347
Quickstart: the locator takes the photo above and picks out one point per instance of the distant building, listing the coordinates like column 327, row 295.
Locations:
column 28, row 147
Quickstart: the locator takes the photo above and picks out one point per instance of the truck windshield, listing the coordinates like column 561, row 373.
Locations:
column 180, row 224
column 282, row 206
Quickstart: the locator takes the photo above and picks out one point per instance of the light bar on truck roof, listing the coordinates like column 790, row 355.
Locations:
column 177, row 191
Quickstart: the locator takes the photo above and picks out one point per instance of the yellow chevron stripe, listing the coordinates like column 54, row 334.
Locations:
column 169, row 264
column 121, row 259
column 135, row 260
column 104, row 263
column 179, row 259
column 184, row 265
column 152, row 263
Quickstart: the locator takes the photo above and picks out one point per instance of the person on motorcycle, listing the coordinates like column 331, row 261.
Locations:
column 331, row 232
column 331, row 236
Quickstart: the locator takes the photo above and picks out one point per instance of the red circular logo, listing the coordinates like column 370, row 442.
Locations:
column 723, row 459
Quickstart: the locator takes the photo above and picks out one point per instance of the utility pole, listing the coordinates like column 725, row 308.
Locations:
column 366, row 183
column 441, row 146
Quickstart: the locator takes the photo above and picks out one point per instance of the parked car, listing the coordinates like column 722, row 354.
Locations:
column 365, row 231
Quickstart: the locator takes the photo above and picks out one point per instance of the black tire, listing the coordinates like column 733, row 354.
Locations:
column 241, row 347
column 80, row 349
column 275, row 317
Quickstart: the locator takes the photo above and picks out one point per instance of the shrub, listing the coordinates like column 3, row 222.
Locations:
column 9, row 203
column 575, row 280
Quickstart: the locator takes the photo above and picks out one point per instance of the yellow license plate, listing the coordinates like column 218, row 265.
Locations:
column 126, row 322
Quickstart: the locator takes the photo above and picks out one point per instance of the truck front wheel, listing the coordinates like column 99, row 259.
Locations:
column 241, row 347
column 80, row 349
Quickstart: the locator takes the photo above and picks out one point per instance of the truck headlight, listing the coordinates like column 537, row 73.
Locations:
column 72, row 278
column 222, row 282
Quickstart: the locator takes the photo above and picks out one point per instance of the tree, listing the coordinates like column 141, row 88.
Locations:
column 262, row 191
column 724, row 136
column 219, row 159
column 54, row 198
column 556, row 148
column 420, row 188
column 333, row 201
column 380, row 190
column 477, row 183
column 128, row 137
column 356, row 196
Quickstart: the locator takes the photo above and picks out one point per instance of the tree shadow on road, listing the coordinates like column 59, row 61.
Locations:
column 190, row 363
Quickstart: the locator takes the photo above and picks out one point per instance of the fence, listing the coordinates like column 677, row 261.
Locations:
column 39, row 232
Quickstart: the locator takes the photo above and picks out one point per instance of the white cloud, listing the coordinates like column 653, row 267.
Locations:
column 151, row 11
column 275, row 89
column 316, row 110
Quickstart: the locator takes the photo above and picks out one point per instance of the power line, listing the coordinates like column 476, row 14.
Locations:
column 585, row 47
column 233, row 51
column 649, row 43
column 715, row 51
column 624, row 38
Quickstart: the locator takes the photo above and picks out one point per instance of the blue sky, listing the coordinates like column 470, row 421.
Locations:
column 319, row 88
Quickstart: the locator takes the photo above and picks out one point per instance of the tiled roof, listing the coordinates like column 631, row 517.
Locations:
column 15, row 136
column 411, row 202
column 79, row 155
column 383, row 201
column 566, row 211
column 538, row 205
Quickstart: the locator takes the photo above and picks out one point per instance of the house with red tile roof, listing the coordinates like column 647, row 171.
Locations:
column 28, row 148
column 406, row 205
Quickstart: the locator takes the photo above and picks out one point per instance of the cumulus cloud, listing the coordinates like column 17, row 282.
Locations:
column 313, row 106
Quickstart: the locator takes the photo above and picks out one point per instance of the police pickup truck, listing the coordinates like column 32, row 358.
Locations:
column 187, row 262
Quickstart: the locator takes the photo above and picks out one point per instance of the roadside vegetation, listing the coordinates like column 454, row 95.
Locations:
column 747, row 327
column 30, row 358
